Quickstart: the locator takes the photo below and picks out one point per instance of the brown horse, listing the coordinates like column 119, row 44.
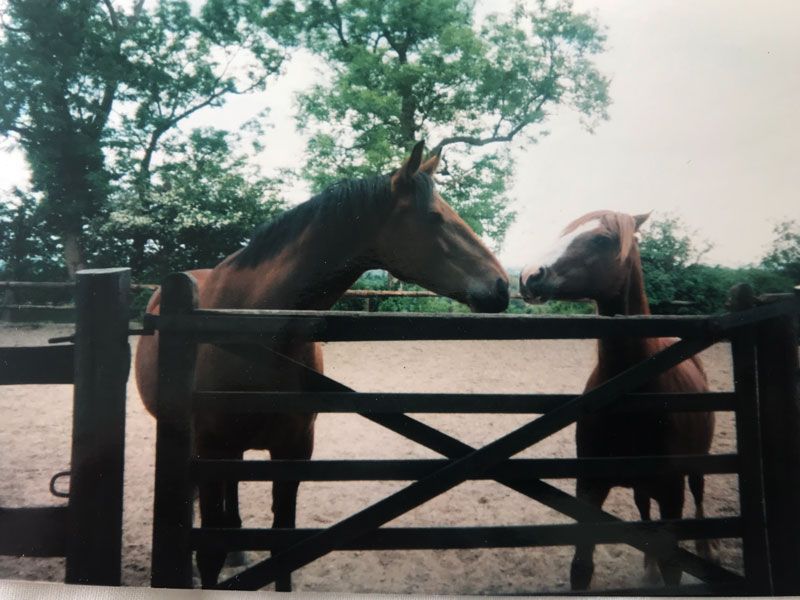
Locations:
column 597, row 257
column 306, row 259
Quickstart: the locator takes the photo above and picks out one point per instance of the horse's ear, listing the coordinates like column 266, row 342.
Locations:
column 411, row 166
column 430, row 165
column 640, row 219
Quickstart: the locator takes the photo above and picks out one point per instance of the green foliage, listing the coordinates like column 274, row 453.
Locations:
column 88, row 90
column 28, row 252
column 707, row 286
column 56, row 62
column 784, row 255
column 677, row 283
column 204, row 204
column 667, row 250
column 400, row 71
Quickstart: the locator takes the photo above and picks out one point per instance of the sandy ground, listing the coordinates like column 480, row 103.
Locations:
column 35, row 436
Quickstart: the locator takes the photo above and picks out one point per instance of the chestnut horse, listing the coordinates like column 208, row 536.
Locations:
column 306, row 259
column 597, row 257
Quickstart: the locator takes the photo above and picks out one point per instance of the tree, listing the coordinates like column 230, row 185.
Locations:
column 27, row 250
column 85, row 83
column 204, row 203
column 404, row 70
column 784, row 255
column 677, row 282
column 667, row 252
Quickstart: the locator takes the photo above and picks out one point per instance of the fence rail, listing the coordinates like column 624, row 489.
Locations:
column 258, row 335
column 11, row 309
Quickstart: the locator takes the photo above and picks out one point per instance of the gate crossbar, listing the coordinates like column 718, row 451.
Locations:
column 462, row 469
column 657, row 543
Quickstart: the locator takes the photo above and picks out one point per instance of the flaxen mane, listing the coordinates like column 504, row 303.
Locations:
column 614, row 223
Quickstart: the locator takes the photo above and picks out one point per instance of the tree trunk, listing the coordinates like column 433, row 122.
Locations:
column 73, row 254
column 137, row 255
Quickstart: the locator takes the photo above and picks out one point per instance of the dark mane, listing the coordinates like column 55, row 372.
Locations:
column 341, row 207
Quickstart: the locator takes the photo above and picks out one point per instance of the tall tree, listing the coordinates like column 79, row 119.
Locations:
column 86, row 82
column 401, row 70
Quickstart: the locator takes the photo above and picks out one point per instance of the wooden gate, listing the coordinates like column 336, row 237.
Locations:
column 88, row 530
column 765, row 367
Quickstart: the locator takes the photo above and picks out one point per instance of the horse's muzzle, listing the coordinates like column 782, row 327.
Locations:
column 532, row 287
column 492, row 302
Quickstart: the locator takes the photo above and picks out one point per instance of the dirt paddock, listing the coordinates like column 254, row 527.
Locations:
column 34, row 444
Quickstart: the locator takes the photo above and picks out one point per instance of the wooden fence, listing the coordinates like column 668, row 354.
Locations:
column 88, row 530
column 765, row 402
column 55, row 308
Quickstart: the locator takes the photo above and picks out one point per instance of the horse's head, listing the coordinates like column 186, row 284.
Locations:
column 591, row 260
column 424, row 241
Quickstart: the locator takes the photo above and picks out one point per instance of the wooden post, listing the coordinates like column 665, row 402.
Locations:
column 102, row 364
column 9, row 299
column 755, row 547
column 778, row 370
column 172, row 514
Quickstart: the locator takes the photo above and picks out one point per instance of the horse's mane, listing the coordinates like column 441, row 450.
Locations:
column 614, row 223
column 340, row 208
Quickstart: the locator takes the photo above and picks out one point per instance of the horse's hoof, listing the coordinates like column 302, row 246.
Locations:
column 236, row 559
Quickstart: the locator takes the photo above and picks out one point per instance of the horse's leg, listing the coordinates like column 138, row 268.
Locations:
column 670, row 502
column 284, row 493
column 697, row 484
column 642, row 500
column 219, row 507
column 595, row 493
column 212, row 514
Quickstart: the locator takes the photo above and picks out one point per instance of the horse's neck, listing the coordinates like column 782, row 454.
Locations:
column 616, row 354
column 311, row 273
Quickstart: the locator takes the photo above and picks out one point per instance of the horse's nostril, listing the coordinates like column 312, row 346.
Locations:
column 537, row 275
column 529, row 283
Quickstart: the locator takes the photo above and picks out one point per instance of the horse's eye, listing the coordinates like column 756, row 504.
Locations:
column 602, row 241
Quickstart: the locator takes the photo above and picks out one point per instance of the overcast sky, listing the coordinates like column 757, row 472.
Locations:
column 705, row 124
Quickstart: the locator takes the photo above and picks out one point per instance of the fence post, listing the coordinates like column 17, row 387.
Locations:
column 102, row 364
column 755, row 546
column 9, row 299
column 172, row 513
column 779, row 405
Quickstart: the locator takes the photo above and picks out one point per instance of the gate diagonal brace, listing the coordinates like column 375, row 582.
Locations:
column 468, row 461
